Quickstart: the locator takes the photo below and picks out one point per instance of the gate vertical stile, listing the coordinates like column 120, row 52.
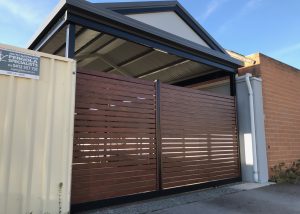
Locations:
column 158, row 137
column 233, row 93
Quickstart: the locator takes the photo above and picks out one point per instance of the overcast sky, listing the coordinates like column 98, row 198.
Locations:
column 245, row 26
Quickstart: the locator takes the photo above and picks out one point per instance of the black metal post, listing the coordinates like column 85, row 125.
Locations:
column 238, row 136
column 158, row 138
column 232, row 85
column 70, row 41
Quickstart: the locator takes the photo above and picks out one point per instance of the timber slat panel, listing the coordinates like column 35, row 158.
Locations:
column 111, row 141
column 114, row 146
column 104, row 163
column 198, row 158
column 115, row 150
column 195, row 101
column 108, row 130
column 96, row 75
column 197, row 180
column 116, row 108
column 135, row 95
column 173, row 167
column 98, row 102
column 123, row 172
column 112, row 119
column 78, row 197
column 199, row 138
column 100, row 112
column 91, row 98
column 108, row 85
column 194, row 93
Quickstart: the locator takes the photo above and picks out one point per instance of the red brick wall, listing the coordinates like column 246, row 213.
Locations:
column 281, row 94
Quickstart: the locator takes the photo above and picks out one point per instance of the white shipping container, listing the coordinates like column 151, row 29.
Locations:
column 36, row 137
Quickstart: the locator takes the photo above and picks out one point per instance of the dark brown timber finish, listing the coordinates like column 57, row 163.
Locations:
column 120, row 122
column 114, row 139
column 199, row 138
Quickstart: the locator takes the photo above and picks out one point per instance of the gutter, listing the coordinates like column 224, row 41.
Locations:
column 253, row 132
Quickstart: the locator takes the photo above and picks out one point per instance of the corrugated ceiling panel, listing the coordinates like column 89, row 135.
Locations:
column 153, row 61
column 183, row 71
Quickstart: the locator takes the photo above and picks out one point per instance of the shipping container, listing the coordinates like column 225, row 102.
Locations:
column 36, row 135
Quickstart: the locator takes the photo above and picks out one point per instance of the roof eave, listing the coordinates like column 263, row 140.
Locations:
column 53, row 17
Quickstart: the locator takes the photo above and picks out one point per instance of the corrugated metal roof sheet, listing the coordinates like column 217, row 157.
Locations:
column 162, row 65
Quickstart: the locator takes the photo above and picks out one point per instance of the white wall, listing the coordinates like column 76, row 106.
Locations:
column 36, row 129
column 169, row 22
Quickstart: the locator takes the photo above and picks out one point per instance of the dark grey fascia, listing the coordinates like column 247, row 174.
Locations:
column 136, row 5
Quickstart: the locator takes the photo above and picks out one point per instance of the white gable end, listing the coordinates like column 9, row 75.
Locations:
column 171, row 23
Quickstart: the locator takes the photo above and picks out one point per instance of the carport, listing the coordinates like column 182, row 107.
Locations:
column 137, row 129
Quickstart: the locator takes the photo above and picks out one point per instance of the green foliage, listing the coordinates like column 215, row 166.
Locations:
column 286, row 174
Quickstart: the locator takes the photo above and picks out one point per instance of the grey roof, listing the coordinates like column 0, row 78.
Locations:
column 103, row 11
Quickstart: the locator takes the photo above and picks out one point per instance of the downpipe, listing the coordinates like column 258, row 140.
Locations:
column 253, row 132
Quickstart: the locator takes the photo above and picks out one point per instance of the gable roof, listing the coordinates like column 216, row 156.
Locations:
column 130, row 8
column 111, row 16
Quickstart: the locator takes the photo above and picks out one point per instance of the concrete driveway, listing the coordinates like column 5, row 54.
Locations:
column 233, row 199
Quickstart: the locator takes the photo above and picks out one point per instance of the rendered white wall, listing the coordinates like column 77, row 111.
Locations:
column 36, row 138
column 169, row 22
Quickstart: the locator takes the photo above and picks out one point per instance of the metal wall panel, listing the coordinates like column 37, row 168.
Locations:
column 36, row 135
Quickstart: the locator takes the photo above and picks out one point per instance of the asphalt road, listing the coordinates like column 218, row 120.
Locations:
column 234, row 199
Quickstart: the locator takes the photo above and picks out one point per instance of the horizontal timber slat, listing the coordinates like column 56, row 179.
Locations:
column 182, row 100
column 112, row 119
column 101, row 86
column 120, row 165
column 95, row 103
column 111, row 135
column 191, row 92
column 111, row 141
column 113, row 129
column 90, row 98
column 113, row 113
column 79, row 197
column 171, row 183
column 98, row 76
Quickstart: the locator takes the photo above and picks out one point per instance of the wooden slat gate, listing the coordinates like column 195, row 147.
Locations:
column 134, row 136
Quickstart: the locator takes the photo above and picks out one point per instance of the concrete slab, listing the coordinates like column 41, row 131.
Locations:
column 232, row 199
column 249, row 186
